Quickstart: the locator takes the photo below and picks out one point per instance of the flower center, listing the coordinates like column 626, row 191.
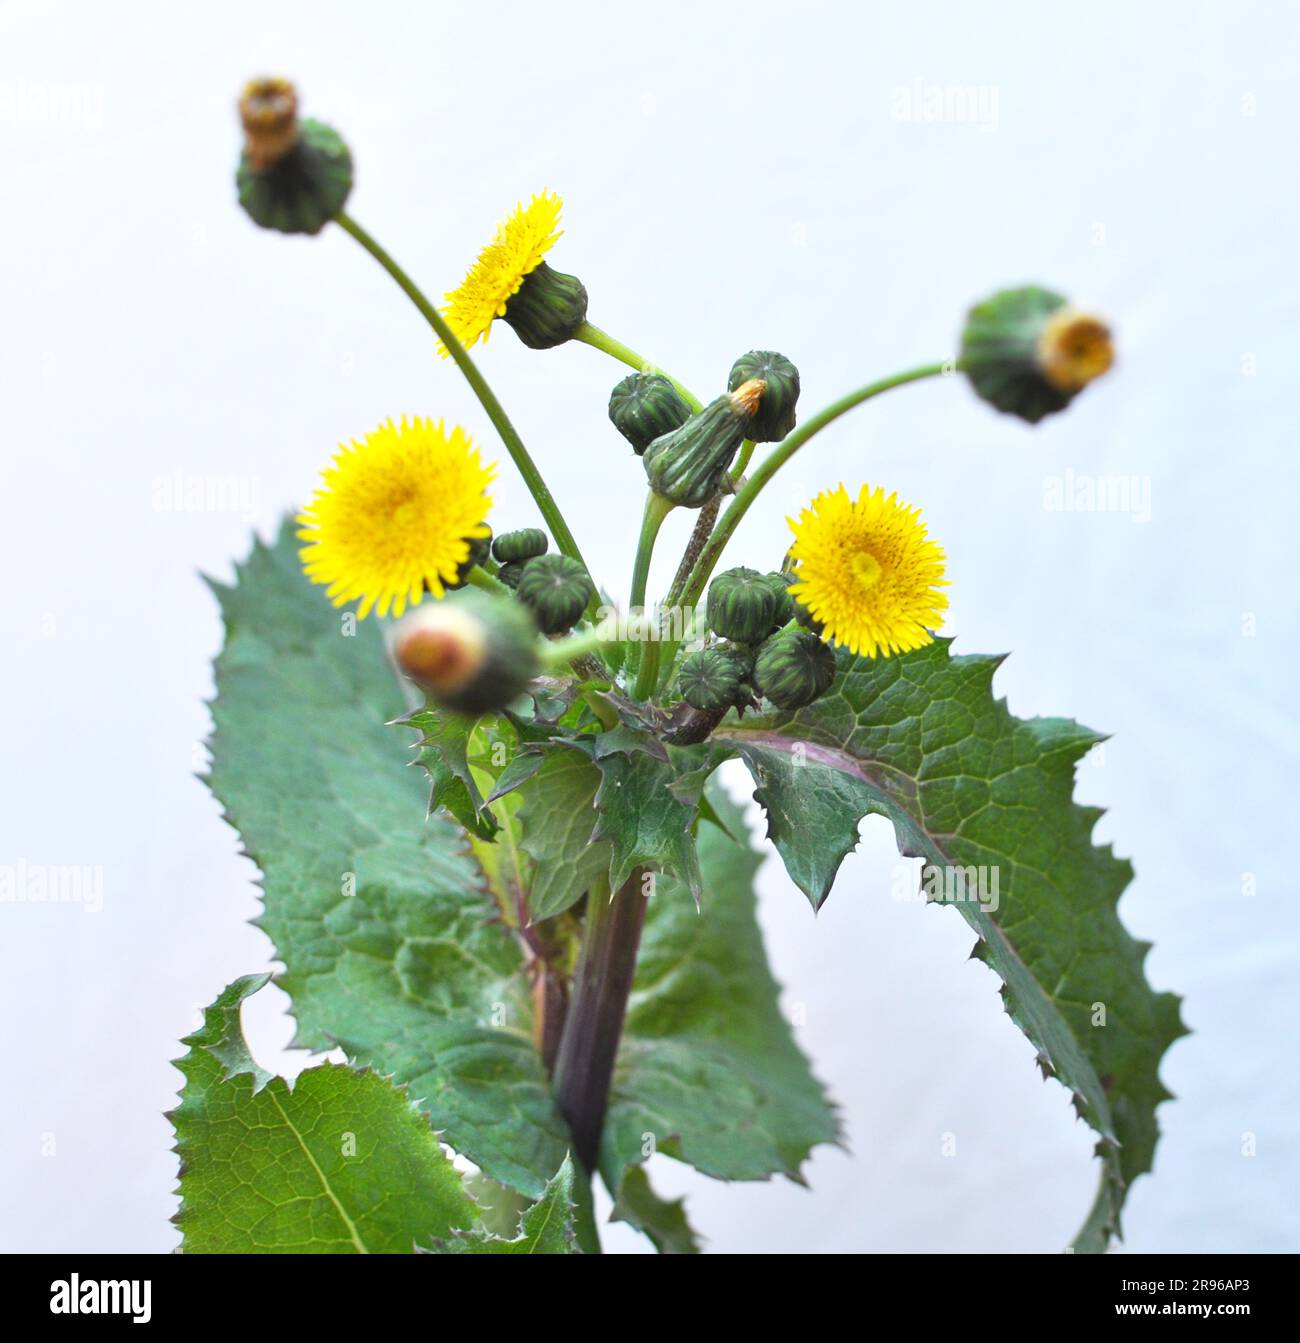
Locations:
column 866, row 569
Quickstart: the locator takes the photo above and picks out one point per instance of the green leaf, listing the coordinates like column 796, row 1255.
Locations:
column 984, row 796
column 338, row 1163
column 557, row 815
column 444, row 753
column 708, row 1070
column 545, row 1228
column 391, row 944
column 662, row 1220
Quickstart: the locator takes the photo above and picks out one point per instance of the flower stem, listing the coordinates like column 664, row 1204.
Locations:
column 584, row 1066
column 656, row 510
column 742, row 461
column 564, row 651
column 509, row 436
column 602, row 340
column 778, row 457
column 480, row 578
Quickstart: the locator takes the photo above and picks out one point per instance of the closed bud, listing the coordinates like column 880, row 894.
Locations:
column 688, row 465
column 742, row 605
column 793, row 668
column 556, row 589
column 645, row 405
column 785, row 604
column 472, row 653
column 547, row 309
column 515, row 547
column 294, row 176
column 775, row 414
column 709, row 680
column 510, row 574
column 1027, row 352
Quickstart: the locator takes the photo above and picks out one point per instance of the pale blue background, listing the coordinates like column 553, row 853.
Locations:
column 734, row 176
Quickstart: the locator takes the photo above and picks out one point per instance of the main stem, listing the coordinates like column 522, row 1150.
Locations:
column 550, row 510
column 584, row 1066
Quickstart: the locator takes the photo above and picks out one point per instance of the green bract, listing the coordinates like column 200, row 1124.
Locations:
column 556, row 590
column 548, row 308
column 687, row 466
column 516, row 547
column 645, row 405
column 775, row 416
column 793, row 668
column 743, row 605
column 306, row 188
column 709, row 679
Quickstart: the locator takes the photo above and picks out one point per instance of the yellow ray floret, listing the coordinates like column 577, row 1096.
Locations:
column 520, row 243
column 867, row 571
column 396, row 512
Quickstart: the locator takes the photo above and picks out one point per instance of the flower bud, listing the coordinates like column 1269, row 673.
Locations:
column 472, row 653
column 793, row 668
column 516, row 547
column 709, row 679
column 688, row 465
column 785, row 603
column 293, row 176
column 547, row 309
column 510, row 574
column 1028, row 353
column 774, row 417
column 556, row 589
column 645, row 405
column 742, row 605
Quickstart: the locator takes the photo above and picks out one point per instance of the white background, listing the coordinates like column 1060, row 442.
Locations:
column 734, row 176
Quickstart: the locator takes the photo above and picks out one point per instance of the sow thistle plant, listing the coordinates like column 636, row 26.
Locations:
column 550, row 969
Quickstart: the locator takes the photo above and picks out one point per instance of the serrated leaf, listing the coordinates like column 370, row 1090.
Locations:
column 545, row 1228
column 557, row 817
column 338, row 1163
column 444, row 753
column 709, row 1071
column 985, row 797
column 390, row 941
column 662, row 1220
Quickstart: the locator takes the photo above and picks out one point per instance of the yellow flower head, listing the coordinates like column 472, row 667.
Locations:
column 867, row 571
column 396, row 512
column 517, row 249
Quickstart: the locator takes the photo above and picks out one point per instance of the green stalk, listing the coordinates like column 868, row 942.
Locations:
column 509, row 436
column 602, row 340
column 480, row 578
column 742, row 461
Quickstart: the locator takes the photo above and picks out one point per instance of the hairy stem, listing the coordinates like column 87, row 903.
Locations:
column 550, row 510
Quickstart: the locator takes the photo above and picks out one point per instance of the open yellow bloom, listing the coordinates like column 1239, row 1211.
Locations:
column 396, row 512
column 867, row 571
column 520, row 243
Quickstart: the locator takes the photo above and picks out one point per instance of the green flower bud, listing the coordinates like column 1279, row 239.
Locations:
column 774, row 417
column 645, row 405
column 793, row 668
column 293, row 176
column 1028, row 353
column 510, row 574
column 709, row 679
column 742, row 605
column 687, row 466
column 556, row 589
column 471, row 653
column 785, row 603
column 548, row 308
column 515, row 547
column 480, row 548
